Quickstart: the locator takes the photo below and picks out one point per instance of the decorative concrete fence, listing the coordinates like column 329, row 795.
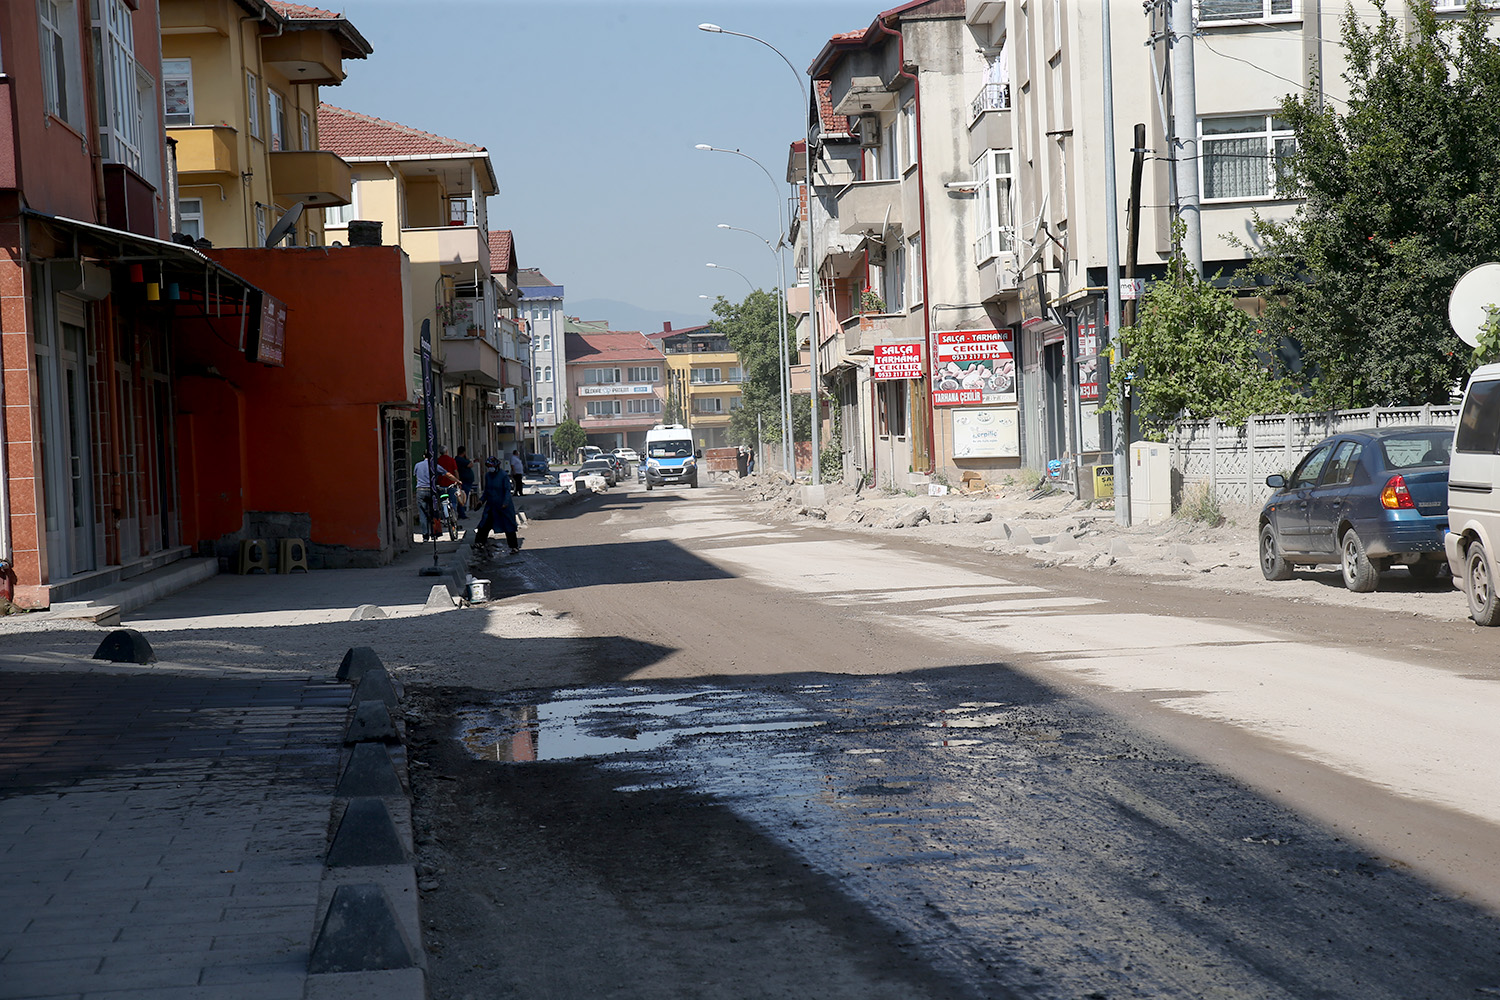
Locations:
column 1234, row 460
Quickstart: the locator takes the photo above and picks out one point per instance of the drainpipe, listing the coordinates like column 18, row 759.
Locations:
column 174, row 213
column 916, row 86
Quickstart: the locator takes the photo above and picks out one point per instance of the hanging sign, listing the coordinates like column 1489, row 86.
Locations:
column 973, row 367
column 892, row 361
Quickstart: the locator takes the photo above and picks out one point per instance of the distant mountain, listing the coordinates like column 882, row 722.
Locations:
column 624, row 316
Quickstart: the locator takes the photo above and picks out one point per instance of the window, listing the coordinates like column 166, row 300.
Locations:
column 735, row 402
column 604, row 408
column 177, row 90
column 117, row 94
column 260, row 225
column 547, row 373
column 190, row 215
column 276, row 119
column 252, row 100
column 908, row 130
column 338, row 216
column 1479, row 424
column 549, row 404
column 305, row 128
column 1341, row 469
column 893, row 278
column 888, row 165
column 890, row 397
column 914, row 269
column 538, row 376
column 546, row 341
column 1311, row 468
column 601, row 376
column 1243, row 10
column 59, row 87
column 995, row 205
column 546, row 314
column 652, row 374
column 710, row 404
column 736, row 375
column 1245, row 157
column 648, row 405
column 707, row 375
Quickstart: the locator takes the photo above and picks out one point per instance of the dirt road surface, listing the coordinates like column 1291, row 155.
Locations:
column 704, row 744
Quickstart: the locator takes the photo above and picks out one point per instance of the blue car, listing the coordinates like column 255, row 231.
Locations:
column 1366, row 500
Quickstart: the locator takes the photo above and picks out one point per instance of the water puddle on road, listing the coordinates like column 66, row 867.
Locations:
column 594, row 722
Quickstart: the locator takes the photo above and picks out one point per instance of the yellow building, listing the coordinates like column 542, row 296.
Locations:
column 241, row 79
column 704, row 382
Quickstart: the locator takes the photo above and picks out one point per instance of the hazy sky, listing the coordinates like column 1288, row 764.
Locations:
column 591, row 111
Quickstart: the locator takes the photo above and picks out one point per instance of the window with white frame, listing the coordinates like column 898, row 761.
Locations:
column 889, row 168
column 115, row 80
column 546, row 341
column 1210, row 11
column 736, row 375
column 601, row 376
column 57, row 28
column 252, row 103
column 546, row 373
column 893, row 277
column 1245, row 156
column 736, row 402
column 190, row 216
column 549, row 404
column 339, row 216
column 907, row 122
column 706, row 376
column 538, row 375
column 644, row 374
column 304, row 129
column 708, row 404
column 260, row 225
column 650, row 404
column 603, row 407
column 994, row 206
column 914, row 270
column 177, row 90
column 276, row 119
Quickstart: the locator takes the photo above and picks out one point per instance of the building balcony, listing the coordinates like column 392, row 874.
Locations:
column 193, row 17
column 305, row 56
column 471, row 359
column 866, row 206
column 990, row 127
column 863, row 331
column 206, row 149
column 984, row 11
column 314, row 176
column 457, row 250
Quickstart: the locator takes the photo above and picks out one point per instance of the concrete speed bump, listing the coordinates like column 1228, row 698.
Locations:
column 125, row 645
column 372, row 723
column 357, row 661
column 361, row 933
column 370, row 772
column 366, row 611
column 1018, row 534
column 1064, row 542
column 376, row 685
column 366, row 836
column 439, row 597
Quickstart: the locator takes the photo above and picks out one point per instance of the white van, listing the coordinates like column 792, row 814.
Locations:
column 1472, row 543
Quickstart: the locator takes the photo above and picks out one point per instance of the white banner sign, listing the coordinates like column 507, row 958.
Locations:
column 989, row 433
column 616, row 390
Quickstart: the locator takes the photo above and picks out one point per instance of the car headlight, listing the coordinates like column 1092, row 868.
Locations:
column 652, row 463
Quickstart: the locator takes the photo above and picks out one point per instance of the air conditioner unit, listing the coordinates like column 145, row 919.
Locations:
column 869, row 130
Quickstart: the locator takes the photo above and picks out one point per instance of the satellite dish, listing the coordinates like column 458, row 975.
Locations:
column 1479, row 287
column 284, row 225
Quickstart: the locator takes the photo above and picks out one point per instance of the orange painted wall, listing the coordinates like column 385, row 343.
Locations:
column 307, row 437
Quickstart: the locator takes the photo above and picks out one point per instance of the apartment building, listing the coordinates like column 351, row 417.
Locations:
column 506, row 413
column 240, row 83
column 703, row 381
column 618, row 382
column 541, row 310
column 428, row 194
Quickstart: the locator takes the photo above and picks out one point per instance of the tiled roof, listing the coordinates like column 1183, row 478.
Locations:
column 833, row 124
column 351, row 135
column 502, row 251
column 659, row 334
column 611, row 347
column 303, row 10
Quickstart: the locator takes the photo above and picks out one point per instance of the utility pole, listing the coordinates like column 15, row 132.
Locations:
column 1112, row 241
column 1185, row 130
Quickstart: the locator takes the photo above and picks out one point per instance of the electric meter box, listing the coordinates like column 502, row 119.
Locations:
column 1150, row 482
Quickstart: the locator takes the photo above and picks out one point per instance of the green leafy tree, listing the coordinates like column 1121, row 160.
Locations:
column 1401, row 200
column 1488, row 348
column 569, row 437
column 1195, row 354
column 752, row 329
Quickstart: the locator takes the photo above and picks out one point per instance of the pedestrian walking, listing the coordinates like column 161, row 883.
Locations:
column 499, row 509
column 517, row 470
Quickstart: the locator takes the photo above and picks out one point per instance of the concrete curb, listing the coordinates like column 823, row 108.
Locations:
column 105, row 606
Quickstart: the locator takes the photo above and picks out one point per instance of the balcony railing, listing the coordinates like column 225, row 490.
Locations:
column 991, row 97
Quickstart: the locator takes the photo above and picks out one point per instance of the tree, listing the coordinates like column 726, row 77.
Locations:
column 752, row 329
column 1194, row 354
column 569, row 437
column 1400, row 201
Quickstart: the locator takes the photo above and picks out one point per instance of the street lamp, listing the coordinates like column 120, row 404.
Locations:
column 783, row 357
column 812, row 233
column 721, row 267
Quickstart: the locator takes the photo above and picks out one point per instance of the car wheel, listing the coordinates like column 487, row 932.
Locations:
column 1273, row 565
column 1426, row 570
column 649, row 487
column 1479, row 585
column 1360, row 575
column 694, row 483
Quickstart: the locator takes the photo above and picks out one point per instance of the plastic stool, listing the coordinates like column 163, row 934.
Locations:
column 254, row 555
column 291, row 554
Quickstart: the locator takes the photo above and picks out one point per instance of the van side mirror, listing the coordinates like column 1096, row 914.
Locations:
column 1277, row 480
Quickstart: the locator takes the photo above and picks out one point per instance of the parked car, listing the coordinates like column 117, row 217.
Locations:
column 1474, row 496
column 1366, row 500
column 537, row 465
column 600, row 467
column 628, row 455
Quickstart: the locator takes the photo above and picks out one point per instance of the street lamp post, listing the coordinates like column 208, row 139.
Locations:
column 812, row 233
column 783, row 357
